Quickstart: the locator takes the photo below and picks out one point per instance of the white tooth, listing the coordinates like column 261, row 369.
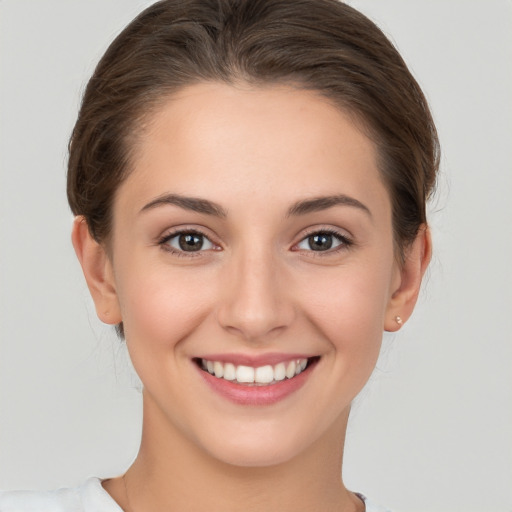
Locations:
column 303, row 364
column 264, row 374
column 229, row 371
column 290, row 369
column 209, row 366
column 244, row 374
column 218, row 368
column 279, row 371
column 297, row 367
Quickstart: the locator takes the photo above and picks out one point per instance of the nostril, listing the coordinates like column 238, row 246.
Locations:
column 254, row 303
column 255, row 333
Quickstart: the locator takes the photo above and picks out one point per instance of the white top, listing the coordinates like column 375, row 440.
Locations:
column 89, row 497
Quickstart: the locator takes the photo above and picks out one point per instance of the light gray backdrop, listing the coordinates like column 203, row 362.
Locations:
column 433, row 430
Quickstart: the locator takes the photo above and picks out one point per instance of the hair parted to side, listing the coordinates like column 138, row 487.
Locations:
column 321, row 45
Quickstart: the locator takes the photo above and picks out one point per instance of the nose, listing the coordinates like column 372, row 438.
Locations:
column 255, row 303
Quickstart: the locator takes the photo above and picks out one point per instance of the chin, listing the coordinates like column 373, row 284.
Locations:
column 254, row 455
column 261, row 445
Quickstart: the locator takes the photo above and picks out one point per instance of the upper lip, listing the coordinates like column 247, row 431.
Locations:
column 255, row 360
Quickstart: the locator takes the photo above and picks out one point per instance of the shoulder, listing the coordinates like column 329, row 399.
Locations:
column 89, row 497
column 62, row 500
column 371, row 506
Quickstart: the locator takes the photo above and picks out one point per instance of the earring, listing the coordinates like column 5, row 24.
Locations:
column 399, row 320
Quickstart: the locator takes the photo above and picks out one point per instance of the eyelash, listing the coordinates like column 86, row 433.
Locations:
column 163, row 242
column 345, row 242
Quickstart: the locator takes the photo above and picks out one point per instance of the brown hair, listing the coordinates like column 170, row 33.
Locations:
column 322, row 45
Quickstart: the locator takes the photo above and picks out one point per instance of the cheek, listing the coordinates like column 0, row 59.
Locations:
column 160, row 305
column 348, row 305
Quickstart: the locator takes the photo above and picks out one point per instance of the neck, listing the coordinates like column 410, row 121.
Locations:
column 171, row 473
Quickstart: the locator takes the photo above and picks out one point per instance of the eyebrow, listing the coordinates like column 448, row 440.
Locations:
column 188, row 203
column 318, row 204
column 299, row 208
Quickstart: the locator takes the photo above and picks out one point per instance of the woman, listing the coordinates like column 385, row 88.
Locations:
column 249, row 181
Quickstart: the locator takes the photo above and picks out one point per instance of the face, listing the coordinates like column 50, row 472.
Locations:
column 253, row 265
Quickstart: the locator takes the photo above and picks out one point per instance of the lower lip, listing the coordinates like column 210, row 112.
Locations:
column 256, row 395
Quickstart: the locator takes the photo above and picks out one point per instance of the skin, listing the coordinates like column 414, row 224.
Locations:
column 258, row 287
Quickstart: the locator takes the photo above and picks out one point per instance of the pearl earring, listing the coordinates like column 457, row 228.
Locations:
column 399, row 320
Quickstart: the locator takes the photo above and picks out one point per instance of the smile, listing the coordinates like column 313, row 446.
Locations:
column 262, row 375
column 259, row 383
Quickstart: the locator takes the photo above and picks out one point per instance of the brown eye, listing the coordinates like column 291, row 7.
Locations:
column 188, row 242
column 320, row 242
column 323, row 241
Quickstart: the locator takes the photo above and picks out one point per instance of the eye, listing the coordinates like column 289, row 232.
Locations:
column 187, row 241
column 323, row 241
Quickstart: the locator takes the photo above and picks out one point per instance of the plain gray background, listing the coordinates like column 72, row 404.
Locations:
column 432, row 431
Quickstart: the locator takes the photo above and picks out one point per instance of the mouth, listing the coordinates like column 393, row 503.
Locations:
column 257, row 383
column 265, row 375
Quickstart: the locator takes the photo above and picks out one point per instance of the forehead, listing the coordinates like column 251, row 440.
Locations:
column 222, row 142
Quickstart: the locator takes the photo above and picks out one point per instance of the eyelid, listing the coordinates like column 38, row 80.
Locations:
column 163, row 240
column 346, row 240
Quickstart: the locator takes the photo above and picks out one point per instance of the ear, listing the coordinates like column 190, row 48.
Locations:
column 406, row 286
column 98, row 272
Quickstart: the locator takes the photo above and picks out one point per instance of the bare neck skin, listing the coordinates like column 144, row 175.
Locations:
column 170, row 473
